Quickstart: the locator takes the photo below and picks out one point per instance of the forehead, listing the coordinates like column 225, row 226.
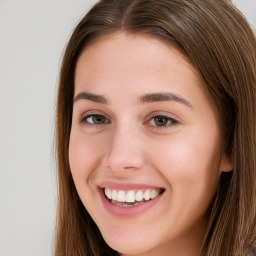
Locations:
column 133, row 53
column 135, row 61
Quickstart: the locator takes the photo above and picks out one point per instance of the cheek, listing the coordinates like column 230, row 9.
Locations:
column 190, row 164
column 185, row 156
column 84, row 154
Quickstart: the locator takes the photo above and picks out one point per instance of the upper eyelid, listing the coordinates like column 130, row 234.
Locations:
column 163, row 115
column 160, row 113
column 85, row 116
column 175, row 121
column 94, row 112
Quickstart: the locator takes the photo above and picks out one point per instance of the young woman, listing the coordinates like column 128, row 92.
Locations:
column 156, row 131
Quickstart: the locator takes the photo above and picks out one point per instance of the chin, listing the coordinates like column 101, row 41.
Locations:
column 129, row 244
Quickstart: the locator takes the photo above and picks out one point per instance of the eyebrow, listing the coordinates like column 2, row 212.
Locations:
column 91, row 97
column 156, row 97
column 147, row 98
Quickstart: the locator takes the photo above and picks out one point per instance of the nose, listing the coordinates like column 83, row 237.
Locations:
column 125, row 150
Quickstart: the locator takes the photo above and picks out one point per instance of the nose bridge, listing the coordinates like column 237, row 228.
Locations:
column 124, row 148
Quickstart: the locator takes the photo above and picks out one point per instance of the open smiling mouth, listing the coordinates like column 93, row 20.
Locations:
column 131, row 198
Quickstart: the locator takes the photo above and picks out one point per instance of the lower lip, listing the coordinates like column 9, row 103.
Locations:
column 126, row 212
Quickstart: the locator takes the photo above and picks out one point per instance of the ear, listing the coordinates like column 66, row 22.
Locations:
column 226, row 164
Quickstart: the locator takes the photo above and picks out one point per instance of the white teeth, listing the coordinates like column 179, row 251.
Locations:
column 154, row 194
column 131, row 196
column 114, row 195
column 147, row 195
column 108, row 193
column 139, row 196
column 121, row 196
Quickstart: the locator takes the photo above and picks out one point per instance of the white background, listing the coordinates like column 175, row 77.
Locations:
column 33, row 35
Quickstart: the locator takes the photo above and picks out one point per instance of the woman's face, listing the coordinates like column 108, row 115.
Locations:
column 145, row 145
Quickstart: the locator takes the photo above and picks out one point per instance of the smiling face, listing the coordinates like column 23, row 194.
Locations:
column 145, row 145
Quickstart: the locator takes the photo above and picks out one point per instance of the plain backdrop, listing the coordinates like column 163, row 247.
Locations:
column 33, row 35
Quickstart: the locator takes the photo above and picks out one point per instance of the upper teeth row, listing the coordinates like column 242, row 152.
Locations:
column 131, row 196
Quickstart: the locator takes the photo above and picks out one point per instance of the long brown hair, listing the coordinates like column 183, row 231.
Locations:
column 221, row 45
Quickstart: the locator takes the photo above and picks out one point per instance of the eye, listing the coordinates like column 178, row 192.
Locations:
column 162, row 121
column 94, row 119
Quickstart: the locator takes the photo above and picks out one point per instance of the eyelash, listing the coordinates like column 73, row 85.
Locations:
column 86, row 117
column 170, row 121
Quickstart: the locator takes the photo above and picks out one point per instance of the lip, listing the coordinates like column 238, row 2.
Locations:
column 127, row 212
